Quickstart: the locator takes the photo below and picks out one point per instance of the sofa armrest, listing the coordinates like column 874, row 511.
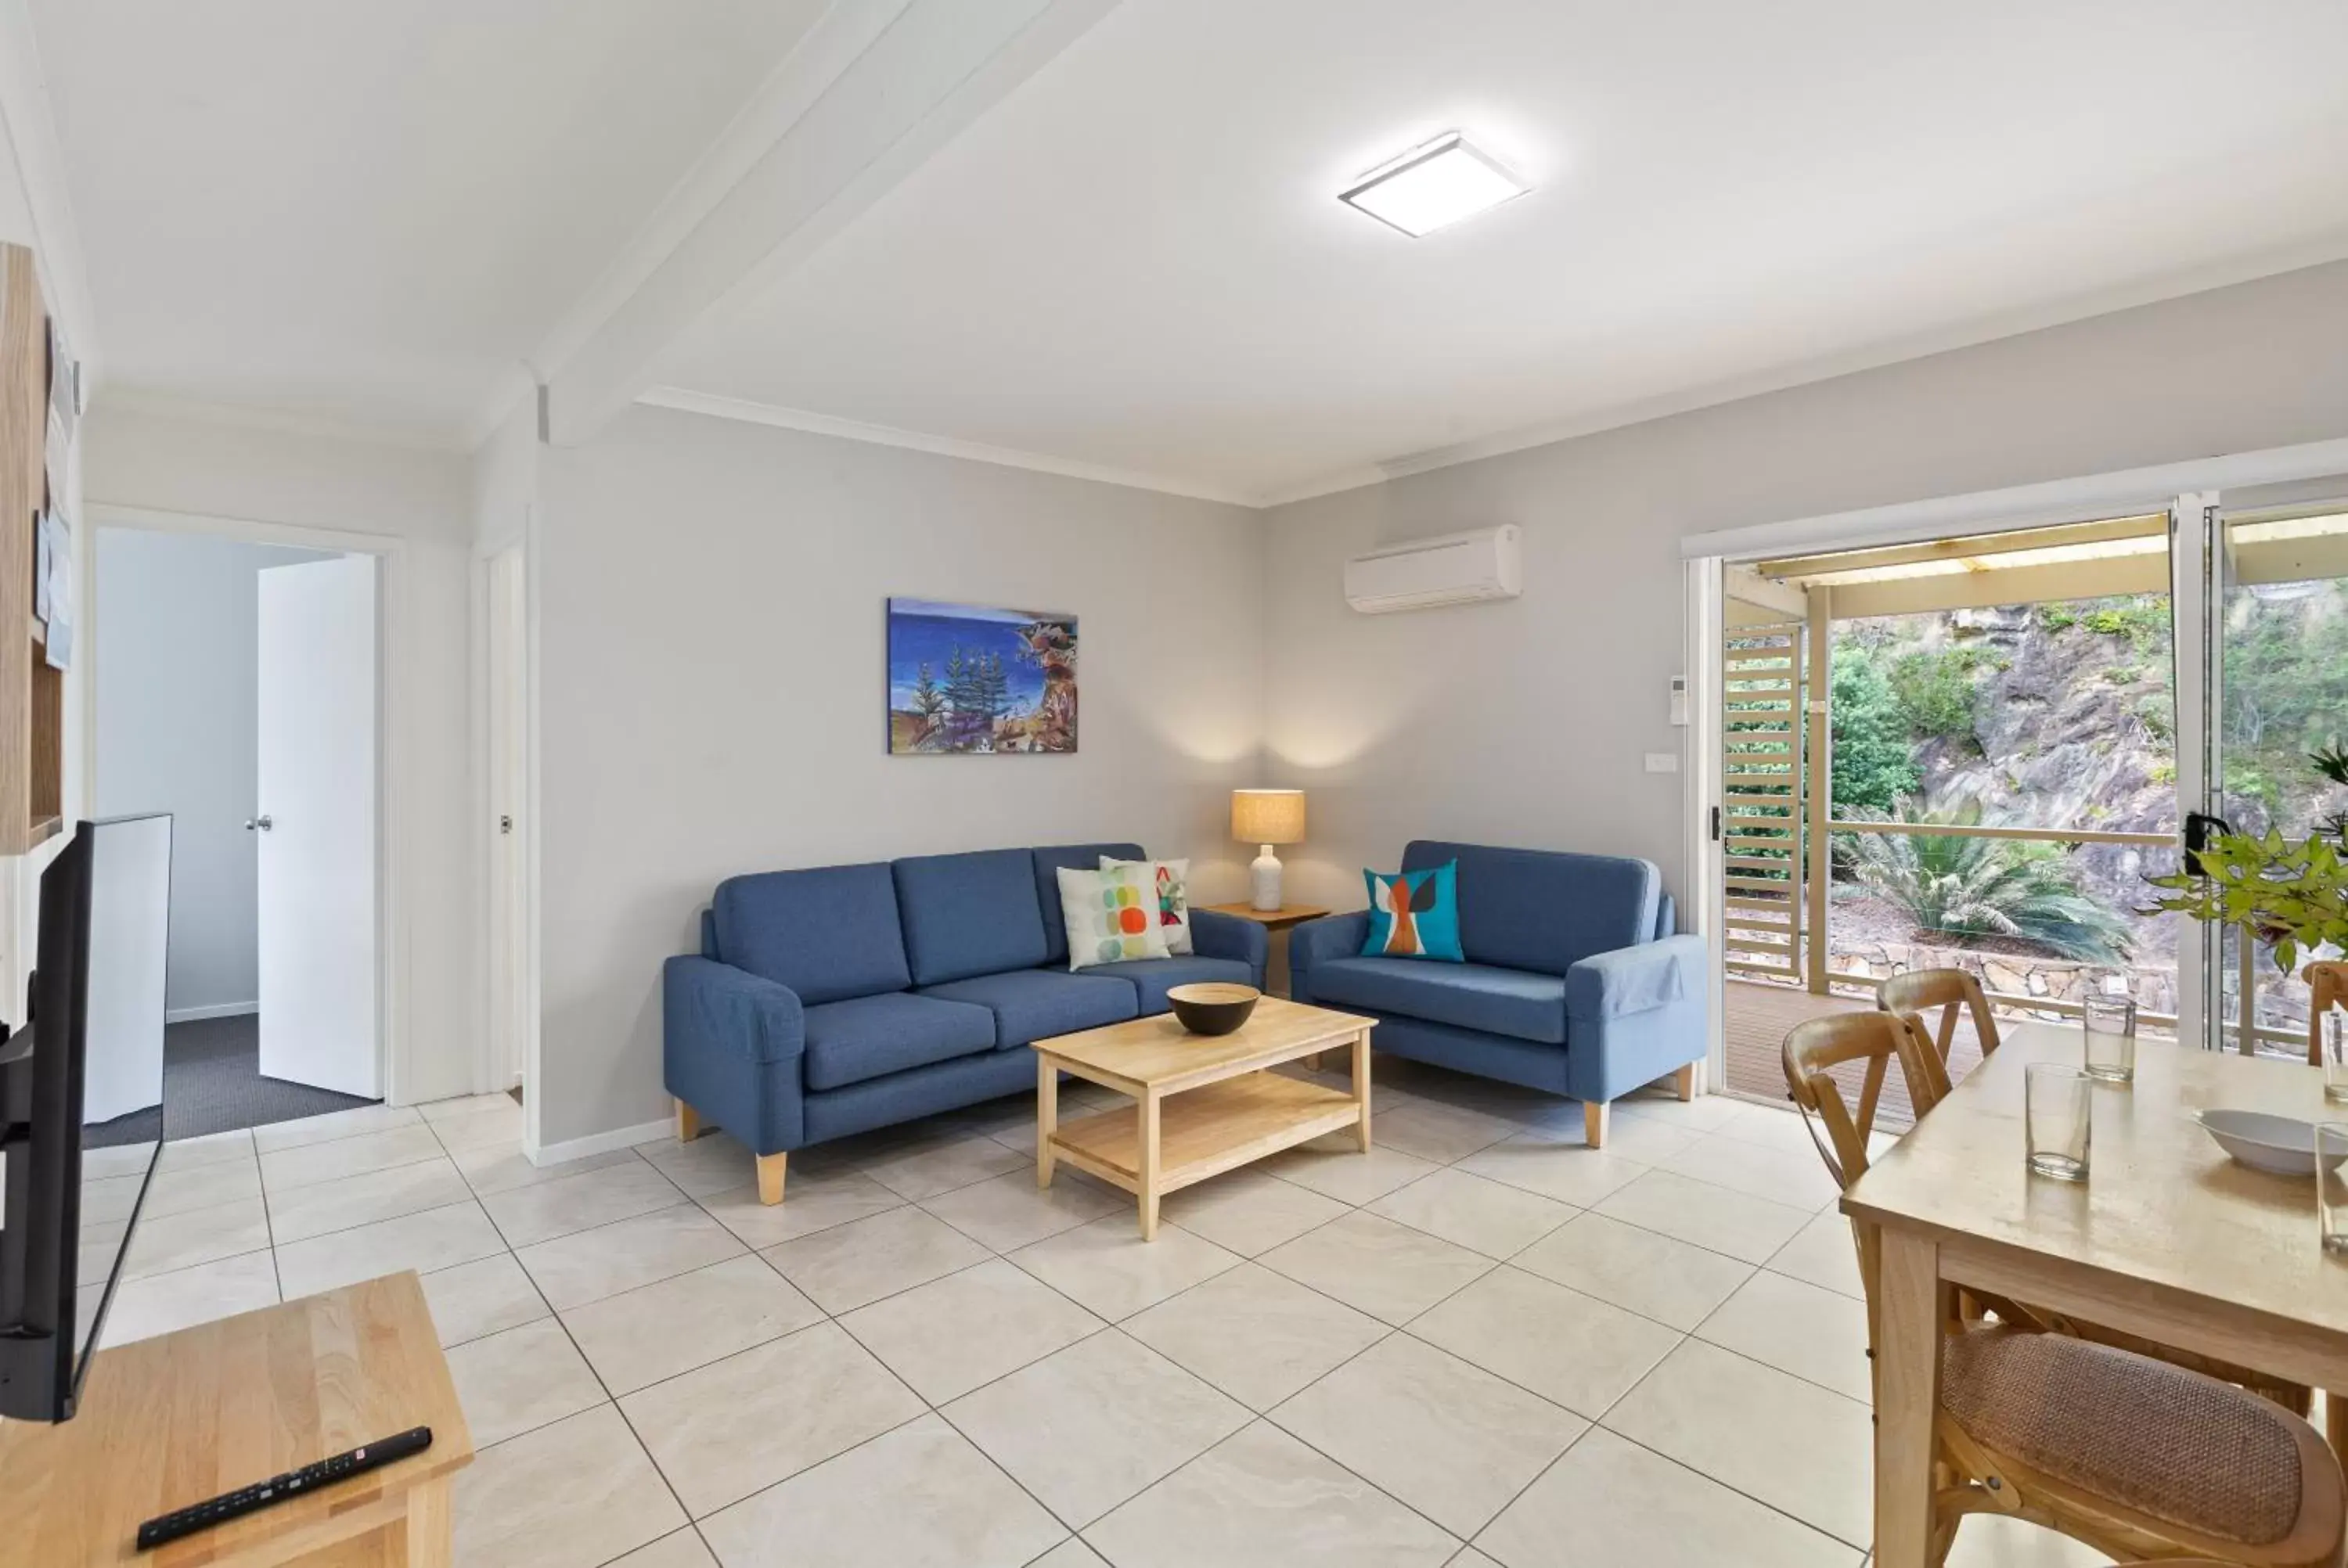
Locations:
column 1217, row 936
column 1317, row 941
column 709, row 1005
column 1631, row 980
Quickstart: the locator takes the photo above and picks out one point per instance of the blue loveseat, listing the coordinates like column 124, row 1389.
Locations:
column 836, row 999
column 1574, row 981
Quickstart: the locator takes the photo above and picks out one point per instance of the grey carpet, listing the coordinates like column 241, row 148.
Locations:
column 212, row 1083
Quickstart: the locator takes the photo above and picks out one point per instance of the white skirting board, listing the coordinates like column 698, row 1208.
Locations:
column 217, row 1010
column 599, row 1142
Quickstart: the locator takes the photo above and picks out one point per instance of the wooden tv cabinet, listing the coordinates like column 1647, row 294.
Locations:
column 172, row 1420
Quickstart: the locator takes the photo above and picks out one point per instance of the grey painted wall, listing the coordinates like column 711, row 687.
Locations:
column 177, row 691
column 710, row 691
column 1524, row 722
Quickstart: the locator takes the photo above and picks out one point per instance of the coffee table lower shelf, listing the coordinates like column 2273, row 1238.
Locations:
column 1204, row 1132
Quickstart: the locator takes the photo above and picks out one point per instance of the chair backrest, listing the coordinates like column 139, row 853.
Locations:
column 1812, row 1051
column 1544, row 910
column 829, row 932
column 1918, row 990
column 978, row 913
column 2329, row 982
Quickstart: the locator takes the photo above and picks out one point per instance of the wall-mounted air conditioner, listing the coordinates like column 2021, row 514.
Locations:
column 1457, row 569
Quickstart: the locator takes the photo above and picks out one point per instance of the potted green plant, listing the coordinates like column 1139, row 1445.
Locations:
column 2292, row 893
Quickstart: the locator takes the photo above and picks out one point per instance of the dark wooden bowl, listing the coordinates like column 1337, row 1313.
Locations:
column 1212, row 1007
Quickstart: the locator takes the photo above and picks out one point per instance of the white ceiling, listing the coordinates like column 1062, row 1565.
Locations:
column 1137, row 261
column 372, row 212
column 367, row 212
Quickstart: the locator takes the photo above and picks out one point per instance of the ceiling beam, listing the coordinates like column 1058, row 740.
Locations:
column 1784, row 600
column 874, row 90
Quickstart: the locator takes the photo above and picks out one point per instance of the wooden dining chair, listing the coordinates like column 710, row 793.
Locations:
column 2328, row 982
column 2141, row 1459
column 1920, row 990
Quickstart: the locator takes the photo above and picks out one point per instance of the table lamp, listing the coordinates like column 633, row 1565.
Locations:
column 1267, row 816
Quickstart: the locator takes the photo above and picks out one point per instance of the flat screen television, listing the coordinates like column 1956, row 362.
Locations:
column 81, row 1106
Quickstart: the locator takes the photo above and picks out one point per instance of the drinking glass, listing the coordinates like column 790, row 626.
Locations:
column 2335, row 1054
column 2054, row 1105
column 2331, row 1185
column 2111, row 1038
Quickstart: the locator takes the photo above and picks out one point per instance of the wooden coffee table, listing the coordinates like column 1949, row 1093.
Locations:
column 1201, row 1104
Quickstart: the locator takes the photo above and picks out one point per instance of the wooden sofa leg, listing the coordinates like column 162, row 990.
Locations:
column 689, row 1122
column 1594, row 1122
column 770, row 1177
column 1689, row 1079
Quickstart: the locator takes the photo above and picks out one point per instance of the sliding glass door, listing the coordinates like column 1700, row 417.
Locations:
column 2273, row 665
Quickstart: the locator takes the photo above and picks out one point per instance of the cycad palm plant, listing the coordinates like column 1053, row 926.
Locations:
column 1958, row 886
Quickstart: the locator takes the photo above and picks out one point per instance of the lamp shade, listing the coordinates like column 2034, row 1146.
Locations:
column 1268, row 815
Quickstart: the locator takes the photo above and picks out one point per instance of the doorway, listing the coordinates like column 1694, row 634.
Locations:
column 507, row 670
column 236, row 686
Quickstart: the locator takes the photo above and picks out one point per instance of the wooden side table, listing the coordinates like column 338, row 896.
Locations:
column 170, row 1421
column 1277, row 922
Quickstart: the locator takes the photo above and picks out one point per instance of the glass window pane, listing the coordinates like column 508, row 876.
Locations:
column 2283, row 700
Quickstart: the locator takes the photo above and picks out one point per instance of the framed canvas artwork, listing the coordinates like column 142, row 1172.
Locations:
column 966, row 678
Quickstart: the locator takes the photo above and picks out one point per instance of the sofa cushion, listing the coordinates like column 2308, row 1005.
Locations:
column 1150, row 977
column 1414, row 914
column 828, row 932
column 1049, row 859
column 1035, row 1004
column 1516, row 1003
column 975, row 914
column 1543, row 909
column 1111, row 915
column 867, row 1037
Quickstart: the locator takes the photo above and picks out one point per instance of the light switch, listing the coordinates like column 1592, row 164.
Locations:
column 1662, row 762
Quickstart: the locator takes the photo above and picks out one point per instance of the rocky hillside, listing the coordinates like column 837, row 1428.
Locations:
column 2063, row 715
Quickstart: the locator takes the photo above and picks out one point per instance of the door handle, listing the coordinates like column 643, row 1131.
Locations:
column 263, row 822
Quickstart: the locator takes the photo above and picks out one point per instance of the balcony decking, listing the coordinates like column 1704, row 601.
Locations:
column 1758, row 1018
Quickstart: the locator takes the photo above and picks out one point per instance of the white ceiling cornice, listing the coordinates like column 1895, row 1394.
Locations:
column 742, row 409
column 882, row 86
column 40, row 166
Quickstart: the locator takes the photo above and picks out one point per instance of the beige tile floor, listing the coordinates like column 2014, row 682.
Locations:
column 1483, row 1344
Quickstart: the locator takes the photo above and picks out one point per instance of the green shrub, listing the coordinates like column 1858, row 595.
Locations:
column 2157, row 715
column 2057, row 617
column 2142, row 618
column 2124, row 675
column 1872, row 763
column 1936, row 690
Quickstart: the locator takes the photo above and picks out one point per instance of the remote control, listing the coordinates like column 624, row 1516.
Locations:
column 279, row 1489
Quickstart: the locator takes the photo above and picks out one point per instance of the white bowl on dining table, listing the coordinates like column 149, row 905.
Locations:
column 2282, row 1144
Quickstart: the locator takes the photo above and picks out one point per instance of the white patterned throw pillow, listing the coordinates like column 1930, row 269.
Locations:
column 1111, row 915
column 1172, row 878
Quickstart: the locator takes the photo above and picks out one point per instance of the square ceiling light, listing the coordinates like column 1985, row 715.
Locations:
column 1434, row 185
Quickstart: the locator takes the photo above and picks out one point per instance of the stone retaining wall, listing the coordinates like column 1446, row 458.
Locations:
column 2058, row 980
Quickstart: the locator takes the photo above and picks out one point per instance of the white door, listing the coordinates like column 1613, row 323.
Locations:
column 509, row 959
column 317, row 826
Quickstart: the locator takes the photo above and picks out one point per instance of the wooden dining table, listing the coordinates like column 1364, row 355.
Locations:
column 2167, row 1238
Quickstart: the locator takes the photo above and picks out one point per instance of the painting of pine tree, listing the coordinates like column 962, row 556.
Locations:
column 965, row 678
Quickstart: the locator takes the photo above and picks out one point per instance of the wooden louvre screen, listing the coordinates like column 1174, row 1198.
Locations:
column 1762, row 688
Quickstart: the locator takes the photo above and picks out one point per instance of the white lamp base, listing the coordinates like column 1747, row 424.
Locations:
column 1263, row 878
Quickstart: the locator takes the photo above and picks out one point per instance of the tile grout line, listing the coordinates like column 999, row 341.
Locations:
column 1387, row 1330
